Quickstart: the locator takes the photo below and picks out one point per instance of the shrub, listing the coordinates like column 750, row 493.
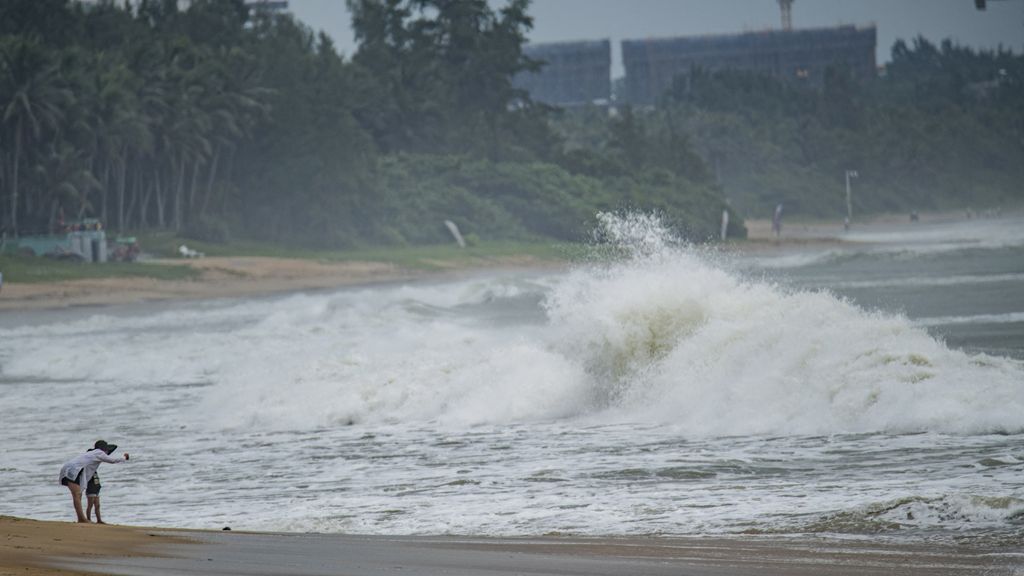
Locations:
column 207, row 229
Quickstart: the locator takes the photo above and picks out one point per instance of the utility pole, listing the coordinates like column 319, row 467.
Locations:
column 849, row 200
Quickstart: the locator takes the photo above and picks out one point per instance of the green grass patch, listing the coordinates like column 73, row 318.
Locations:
column 28, row 269
column 450, row 255
column 165, row 245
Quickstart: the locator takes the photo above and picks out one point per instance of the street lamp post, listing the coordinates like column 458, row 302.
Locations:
column 849, row 200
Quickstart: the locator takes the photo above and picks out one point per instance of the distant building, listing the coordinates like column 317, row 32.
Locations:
column 182, row 4
column 574, row 73
column 800, row 55
column 267, row 5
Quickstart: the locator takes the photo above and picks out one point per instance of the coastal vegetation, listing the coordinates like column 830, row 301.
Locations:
column 218, row 123
column 224, row 124
column 941, row 128
column 163, row 245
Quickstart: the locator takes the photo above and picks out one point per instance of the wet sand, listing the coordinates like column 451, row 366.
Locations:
column 27, row 546
column 34, row 548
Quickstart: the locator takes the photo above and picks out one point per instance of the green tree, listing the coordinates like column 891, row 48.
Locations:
column 34, row 102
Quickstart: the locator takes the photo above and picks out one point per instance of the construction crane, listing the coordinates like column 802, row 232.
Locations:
column 787, row 14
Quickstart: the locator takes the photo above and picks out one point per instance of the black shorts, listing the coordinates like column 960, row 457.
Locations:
column 93, row 487
column 78, row 480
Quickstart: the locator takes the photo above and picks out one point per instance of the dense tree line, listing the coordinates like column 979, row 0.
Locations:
column 121, row 115
column 214, row 120
column 941, row 129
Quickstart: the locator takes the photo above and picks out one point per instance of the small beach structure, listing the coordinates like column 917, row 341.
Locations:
column 86, row 239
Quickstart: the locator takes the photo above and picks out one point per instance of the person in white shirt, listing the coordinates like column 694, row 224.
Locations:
column 77, row 472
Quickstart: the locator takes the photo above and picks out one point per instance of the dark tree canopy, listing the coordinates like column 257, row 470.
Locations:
column 215, row 121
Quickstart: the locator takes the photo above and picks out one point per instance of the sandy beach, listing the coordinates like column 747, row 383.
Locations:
column 225, row 277
column 239, row 276
column 35, row 548
column 934, row 504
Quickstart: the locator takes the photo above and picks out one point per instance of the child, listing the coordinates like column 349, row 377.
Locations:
column 92, row 498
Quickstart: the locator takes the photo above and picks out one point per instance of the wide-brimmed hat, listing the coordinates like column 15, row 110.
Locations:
column 102, row 445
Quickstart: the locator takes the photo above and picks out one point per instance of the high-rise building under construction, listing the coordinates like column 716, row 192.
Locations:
column 572, row 73
column 802, row 55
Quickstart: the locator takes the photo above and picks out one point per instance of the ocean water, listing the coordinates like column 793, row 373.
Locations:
column 873, row 389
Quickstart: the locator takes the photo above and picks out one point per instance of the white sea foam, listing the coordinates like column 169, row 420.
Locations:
column 898, row 242
column 795, row 259
column 928, row 282
column 941, row 237
column 670, row 337
column 661, row 335
column 1008, row 318
column 654, row 392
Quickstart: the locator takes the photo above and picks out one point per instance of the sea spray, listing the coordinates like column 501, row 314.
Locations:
column 657, row 333
column 646, row 391
column 665, row 335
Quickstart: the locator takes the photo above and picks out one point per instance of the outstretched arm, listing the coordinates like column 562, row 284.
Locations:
column 103, row 457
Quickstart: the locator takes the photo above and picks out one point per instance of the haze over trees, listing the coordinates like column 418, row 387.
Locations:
column 214, row 121
column 941, row 129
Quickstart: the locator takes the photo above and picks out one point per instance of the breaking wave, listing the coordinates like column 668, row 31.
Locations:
column 667, row 336
column 918, row 512
column 653, row 331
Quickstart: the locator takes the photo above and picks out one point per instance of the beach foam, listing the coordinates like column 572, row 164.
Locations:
column 649, row 390
column 667, row 335
column 661, row 333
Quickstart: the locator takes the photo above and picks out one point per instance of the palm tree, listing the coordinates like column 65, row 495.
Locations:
column 65, row 180
column 36, row 103
column 153, row 105
column 233, row 108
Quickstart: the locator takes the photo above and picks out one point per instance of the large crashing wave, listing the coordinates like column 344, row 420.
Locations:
column 656, row 333
column 653, row 331
column 664, row 335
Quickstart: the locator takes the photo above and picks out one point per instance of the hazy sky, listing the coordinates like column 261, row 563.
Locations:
column 558, row 20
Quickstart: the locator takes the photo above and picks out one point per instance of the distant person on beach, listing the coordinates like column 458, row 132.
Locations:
column 777, row 221
column 80, row 470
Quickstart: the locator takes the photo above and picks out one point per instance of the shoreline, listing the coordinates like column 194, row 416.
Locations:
column 47, row 548
column 242, row 276
column 257, row 276
column 234, row 277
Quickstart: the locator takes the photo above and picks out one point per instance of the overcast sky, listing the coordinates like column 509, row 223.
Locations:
column 558, row 20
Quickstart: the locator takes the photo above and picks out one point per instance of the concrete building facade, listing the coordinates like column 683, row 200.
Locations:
column 573, row 74
column 267, row 5
column 799, row 55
